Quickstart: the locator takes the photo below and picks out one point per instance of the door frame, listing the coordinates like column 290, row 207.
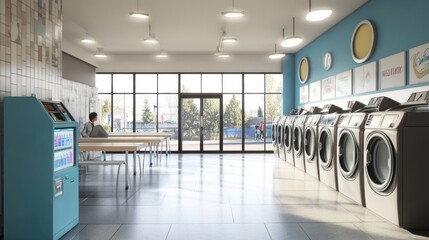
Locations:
column 201, row 96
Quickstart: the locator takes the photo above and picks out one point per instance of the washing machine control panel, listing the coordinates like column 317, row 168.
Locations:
column 385, row 120
column 329, row 120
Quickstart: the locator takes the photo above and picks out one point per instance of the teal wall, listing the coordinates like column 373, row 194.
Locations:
column 400, row 25
column 288, row 69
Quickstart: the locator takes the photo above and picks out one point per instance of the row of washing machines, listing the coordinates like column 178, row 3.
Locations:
column 375, row 154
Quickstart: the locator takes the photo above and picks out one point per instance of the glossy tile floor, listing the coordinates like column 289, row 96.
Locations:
column 221, row 197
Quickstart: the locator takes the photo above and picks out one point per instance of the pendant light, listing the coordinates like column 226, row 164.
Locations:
column 276, row 55
column 138, row 13
column 100, row 53
column 151, row 38
column 293, row 40
column 228, row 39
column 161, row 54
column 221, row 54
column 233, row 13
column 317, row 15
column 87, row 39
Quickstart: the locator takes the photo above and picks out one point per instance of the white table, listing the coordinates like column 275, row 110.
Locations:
column 114, row 147
column 166, row 136
column 151, row 141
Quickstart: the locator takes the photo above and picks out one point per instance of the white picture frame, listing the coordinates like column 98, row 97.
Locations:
column 343, row 84
column 392, row 71
column 418, row 64
column 365, row 78
column 328, row 88
column 303, row 94
column 314, row 94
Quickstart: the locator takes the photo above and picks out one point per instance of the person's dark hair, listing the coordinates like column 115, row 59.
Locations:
column 92, row 116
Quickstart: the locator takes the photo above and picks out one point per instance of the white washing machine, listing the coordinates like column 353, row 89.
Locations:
column 280, row 129
column 349, row 148
column 274, row 137
column 397, row 164
column 327, row 147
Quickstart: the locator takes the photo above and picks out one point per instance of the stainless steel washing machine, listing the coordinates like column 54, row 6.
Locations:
column 327, row 149
column 288, row 134
column 397, row 165
column 280, row 129
column 349, row 148
column 311, row 139
column 298, row 137
column 274, row 136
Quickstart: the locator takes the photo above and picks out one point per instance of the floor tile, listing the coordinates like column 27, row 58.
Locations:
column 142, row 232
column 218, row 231
column 281, row 231
column 73, row 232
column 362, row 213
column 97, row 232
column 312, row 197
column 334, row 231
column 384, row 231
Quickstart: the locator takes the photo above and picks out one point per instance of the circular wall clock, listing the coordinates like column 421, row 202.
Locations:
column 304, row 70
column 363, row 41
column 327, row 61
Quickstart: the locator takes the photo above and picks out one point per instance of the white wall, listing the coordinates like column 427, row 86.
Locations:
column 400, row 96
column 188, row 63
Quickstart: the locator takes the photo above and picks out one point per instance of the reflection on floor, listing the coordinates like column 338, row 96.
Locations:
column 221, row 196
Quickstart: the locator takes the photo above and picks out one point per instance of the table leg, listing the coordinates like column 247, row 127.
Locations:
column 150, row 154
column 134, row 162
column 169, row 146
column 126, row 170
column 104, row 156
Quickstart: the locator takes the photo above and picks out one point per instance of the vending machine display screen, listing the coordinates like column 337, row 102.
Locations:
column 63, row 148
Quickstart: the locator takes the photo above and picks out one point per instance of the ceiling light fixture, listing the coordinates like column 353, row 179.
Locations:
column 221, row 54
column 100, row 53
column 293, row 40
column 162, row 54
column 151, row 38
column 276, row 55
column 233, row 13
column 87, row 39
column 138, row 13
column 317, row 15
column 228, row 39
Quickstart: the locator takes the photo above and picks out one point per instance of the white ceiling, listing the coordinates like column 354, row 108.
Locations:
column 194, row 26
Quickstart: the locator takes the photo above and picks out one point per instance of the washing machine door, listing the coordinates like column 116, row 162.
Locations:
column 297, row 140
column 279, row 135
column 310, row 142
column 380, row 162
column 326, row 149
column 287, row 137
column 348, row 157
column 273, row 134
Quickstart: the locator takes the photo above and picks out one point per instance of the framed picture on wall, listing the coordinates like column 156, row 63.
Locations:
column 343, row 84
column 328, row 88
column 419, row 64
column 392, row 71
column 365, row 78
column 303, row 94
column 315, row 91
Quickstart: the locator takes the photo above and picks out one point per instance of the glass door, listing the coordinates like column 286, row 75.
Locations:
column 200, row 123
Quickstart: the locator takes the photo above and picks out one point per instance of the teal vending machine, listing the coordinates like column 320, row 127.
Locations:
column 41, row 188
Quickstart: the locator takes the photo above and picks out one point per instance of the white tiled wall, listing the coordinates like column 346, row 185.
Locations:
column 30, row 59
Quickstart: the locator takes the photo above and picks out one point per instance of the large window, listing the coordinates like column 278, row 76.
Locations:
column 143, row 102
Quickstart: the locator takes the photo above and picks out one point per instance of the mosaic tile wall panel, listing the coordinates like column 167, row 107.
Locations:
column 30, row 57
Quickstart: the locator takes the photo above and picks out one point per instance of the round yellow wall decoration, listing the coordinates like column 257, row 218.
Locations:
column 363, row 41
column 304, row 70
